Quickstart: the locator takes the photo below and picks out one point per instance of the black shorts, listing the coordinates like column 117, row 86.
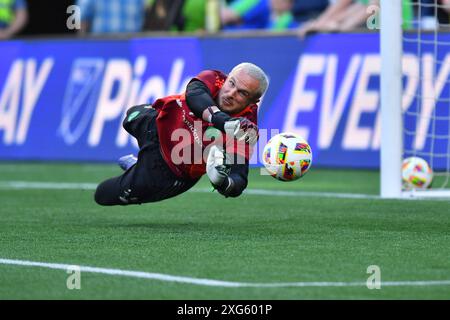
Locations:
column 150, row 179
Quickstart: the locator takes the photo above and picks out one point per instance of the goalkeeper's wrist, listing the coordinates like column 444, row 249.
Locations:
column 218, row 119
column 226, row 187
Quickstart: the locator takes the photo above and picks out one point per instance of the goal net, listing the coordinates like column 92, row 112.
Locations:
column 415, row 74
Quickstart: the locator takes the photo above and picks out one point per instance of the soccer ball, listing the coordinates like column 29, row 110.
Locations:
column 416, row 173
column 287, row 156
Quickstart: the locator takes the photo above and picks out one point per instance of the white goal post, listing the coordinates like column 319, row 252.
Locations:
column 393, row 130
column 391, row 98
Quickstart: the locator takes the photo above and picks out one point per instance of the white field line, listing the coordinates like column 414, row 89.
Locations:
column 212, row 282
column 91, row 186
column 25, row 185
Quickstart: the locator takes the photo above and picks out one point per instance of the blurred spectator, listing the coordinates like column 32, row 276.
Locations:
column 305, row 10
column 446, row 5
column 13, row 17
column 193, row 15
column 50, row 17
column 342, row 15
column 245, row 14
column 346, row 15
column 431, row 16
column 164, row 15
column 281, row 16
column 273, row 15
column 426, row 16
column 112, row 16
column 407, row 13
column 444, row 18
column 178, row 15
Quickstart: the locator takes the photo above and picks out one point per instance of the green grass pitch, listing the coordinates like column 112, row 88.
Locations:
column 272, row 238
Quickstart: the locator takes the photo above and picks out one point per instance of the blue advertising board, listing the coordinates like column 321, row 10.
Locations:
column 65, row 99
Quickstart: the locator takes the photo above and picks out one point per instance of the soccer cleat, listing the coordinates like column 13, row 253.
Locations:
column 126, row 162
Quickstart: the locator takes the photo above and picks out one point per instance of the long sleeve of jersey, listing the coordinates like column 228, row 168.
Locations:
column 199, row 98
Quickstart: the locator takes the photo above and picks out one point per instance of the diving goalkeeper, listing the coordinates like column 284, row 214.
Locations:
column 211, row 128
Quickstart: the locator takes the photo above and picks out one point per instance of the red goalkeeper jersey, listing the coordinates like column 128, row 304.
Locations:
column 184, row 138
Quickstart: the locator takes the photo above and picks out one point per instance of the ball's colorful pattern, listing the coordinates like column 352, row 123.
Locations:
column 287, row 156
column 416, row 173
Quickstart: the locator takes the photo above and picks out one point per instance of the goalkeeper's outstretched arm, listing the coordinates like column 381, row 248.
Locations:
column 200, row 101
column 236, row 181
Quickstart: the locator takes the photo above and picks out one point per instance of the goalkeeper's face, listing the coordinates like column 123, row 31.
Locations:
column 238, row 91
